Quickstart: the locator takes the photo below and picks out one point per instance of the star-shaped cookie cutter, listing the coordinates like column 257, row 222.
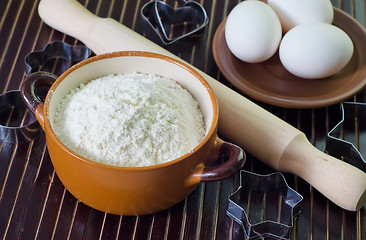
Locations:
column 340, row 148
column 274, row 216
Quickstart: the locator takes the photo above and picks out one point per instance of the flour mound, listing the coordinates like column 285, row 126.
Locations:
column 130, row 120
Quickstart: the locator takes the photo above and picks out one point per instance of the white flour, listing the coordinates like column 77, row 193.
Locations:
column 130, row 120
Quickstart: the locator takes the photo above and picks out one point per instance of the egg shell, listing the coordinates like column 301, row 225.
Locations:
column 295, row 12
column 253, row 31
column 315, row 50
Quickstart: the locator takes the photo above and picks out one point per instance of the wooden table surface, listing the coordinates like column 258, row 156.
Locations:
column 35, row 205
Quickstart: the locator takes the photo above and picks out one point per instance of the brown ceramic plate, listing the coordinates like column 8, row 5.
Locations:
column 271, row 83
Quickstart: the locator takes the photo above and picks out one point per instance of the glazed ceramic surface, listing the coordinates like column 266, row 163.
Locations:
column 134, row 190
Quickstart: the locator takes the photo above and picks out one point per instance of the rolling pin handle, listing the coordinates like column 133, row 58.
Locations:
column 339, row 181
column 68, row 16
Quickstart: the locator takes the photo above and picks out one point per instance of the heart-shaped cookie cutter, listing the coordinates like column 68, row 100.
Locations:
column 172, row 24
column 274, row 217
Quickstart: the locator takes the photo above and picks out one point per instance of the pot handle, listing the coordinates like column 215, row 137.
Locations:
column 235, row 160
column 34, row 89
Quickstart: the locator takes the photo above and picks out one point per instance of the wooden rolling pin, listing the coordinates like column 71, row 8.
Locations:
column 257, row 131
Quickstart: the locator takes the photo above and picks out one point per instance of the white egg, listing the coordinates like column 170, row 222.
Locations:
column 253, row 31
column 296, row 12
column 315, row 50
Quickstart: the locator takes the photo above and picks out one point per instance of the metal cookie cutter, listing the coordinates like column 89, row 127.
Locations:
column 173, row 24
column 17, row 124
column 264, row 205
column 340, row 148
column 56, row 58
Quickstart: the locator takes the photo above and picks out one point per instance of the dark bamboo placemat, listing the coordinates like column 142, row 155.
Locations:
column 35, row 205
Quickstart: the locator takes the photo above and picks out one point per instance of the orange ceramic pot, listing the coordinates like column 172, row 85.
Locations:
column 132, row 190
